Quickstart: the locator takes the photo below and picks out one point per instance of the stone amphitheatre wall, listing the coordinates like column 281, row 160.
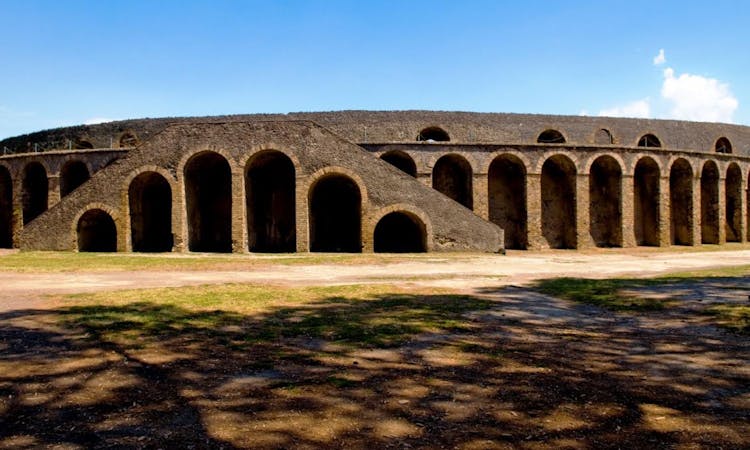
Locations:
column 547, row 181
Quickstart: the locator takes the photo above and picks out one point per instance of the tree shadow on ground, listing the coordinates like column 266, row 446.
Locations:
column 505, row 368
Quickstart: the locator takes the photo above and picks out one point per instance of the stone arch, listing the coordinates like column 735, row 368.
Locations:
column 6, row 208
column 335, row 214
column 208, row 201
column 35, row 194
column 83, row 144
column 681, row 202
column 649, row 140
column 710, row 203
column 646, row 197
column 400, row 232
column 270, row 190
column 150, row 208
column 400, row 160
column 96, row 231
column 128, row 139
column 559, row 202
column 603, row 136
column 733, row 203
column 433, row 134
column 73, row 174
column 551, row 136
column 723, row 145
column 452, row 176
column 506, row 192
column 605, row 196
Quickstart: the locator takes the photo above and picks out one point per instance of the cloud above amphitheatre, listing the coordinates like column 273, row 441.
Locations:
column 683, row 96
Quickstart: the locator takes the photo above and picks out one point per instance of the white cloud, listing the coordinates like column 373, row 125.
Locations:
column 96, row 120
column 638, row 108
column 660, row 58
column 694, row 97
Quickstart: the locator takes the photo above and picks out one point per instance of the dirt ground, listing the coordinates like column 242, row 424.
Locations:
column 533, row 371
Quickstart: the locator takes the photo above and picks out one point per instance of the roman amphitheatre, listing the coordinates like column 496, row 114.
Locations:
column 376, row 279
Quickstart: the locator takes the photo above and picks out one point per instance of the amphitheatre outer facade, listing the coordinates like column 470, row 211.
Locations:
column 356, row 181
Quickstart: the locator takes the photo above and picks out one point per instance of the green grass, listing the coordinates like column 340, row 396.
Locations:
column 607, row 293
column 734, row 317
column 248, row 315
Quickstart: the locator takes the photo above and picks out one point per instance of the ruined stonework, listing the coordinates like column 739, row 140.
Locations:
column 375, row 181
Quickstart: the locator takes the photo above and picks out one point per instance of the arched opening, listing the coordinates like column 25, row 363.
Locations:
column 150, row 200
column 710, row 203
column 649, row 140
column 400, row 232
column 681, row 202
column 6, row 208
column 506, row 187
column 128, row 139
column 605, row 196
column 559, row 202
column 452, row 176
column 270, row 197
column 208, row 197
column 73, row 174
column 603, row 137
column 733, row 201
column 433, row 134
column 723, row 145
column 335, row 215
column 550, row 137
column 83, row 144
column 96, row 232
column 400, row 160
column 35, row 191
column 646, row 198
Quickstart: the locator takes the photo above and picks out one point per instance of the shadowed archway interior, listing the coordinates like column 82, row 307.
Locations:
column 73, row 174
column 733, row 203
column 507, row 199
column 150, row 201
column 452, row 176
column 400, row 160
column 681, row 202
column 270, row 197
column 96, row 232
column 400, row 232
column 605, row 196
column 559, row 202
column 646, row 202
column 208, row 197
column 35, row 191
column 710, row 203
column 6, row 208
column 335, row 215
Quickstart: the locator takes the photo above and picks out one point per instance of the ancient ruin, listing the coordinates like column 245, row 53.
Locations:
column 360, row 181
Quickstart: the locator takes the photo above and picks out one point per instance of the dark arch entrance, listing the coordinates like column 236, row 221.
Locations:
column 6, row 208
column 335, row 215
column 452, row 176
column 73, row 174
column 605, row 197
column 646, row 199
column 150, row 200
column 733, row 200
column 208, row 197
column 550, row 137
column 506, row 186
column 270, row 197
column 400, row 160
column 35, row 191
column 559, row 202
column 400, row 232
column 433, row 134
column 649, row 140
column 710, row 203
column 723, row 145
column 681, row 202
column 96, row 232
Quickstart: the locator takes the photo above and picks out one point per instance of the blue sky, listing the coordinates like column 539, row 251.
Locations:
column 71, row 62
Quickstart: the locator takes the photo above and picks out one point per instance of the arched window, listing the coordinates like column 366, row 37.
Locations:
column 603, row 137
column 723, row 145
column 649, row 140
column 433, row 134
column 73, row 174
column 551, row 137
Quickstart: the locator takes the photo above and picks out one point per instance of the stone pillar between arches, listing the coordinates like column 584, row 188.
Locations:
column 696, row 223
column 481, row 195
column 534, row 211
column 627, row 210
column 665, row 216
column 53, row 188
column 583, row 205
column 239, row 216
column 722, row 211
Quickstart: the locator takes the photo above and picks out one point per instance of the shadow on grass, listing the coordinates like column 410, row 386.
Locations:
column 396, row 370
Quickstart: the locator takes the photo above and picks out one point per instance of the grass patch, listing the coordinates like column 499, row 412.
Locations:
column 243, row 316
column 733, row 317
column 606, row 293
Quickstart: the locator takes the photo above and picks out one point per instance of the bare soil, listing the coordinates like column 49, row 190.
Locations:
column 533, row 372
